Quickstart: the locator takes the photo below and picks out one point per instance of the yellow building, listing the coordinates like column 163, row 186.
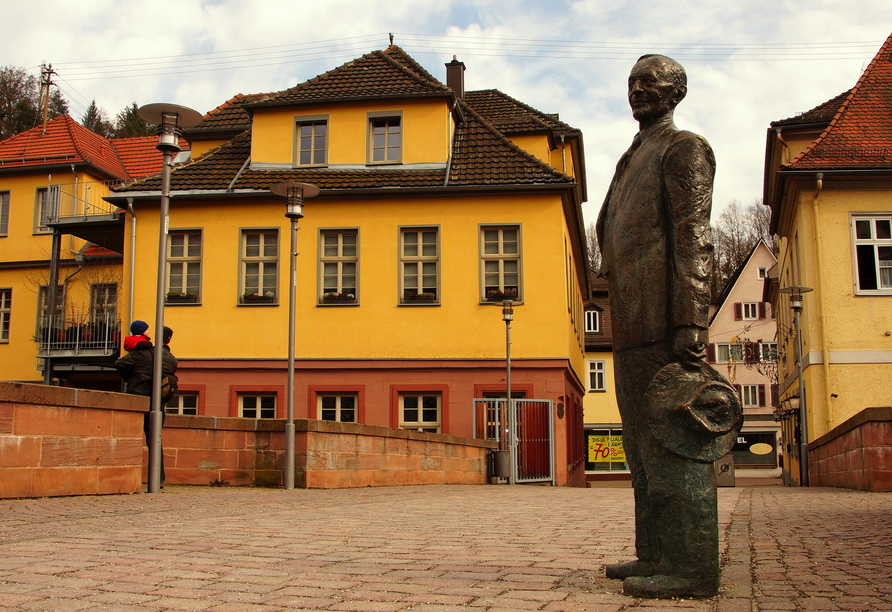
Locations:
column 436, row 206
column 50, row 176
column 829, row 184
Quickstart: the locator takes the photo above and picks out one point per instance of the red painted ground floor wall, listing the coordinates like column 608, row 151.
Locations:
column 856, row 454
column 378, row 387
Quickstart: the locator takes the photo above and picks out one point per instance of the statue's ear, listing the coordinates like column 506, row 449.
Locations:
column 678, row 95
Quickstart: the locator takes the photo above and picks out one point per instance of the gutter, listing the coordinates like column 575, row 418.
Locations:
column 825, row 345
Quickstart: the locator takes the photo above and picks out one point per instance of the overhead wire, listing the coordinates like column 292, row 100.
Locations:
column 474, row 46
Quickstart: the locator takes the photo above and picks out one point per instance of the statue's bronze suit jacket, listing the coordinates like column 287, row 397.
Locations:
column 654, row 235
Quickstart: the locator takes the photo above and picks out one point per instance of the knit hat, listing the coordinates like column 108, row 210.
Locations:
column 137, row 328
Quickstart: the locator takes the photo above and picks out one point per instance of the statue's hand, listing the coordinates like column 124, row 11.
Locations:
column 687, row 349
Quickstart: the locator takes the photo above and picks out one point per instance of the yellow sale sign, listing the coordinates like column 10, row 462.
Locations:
column 606, row 448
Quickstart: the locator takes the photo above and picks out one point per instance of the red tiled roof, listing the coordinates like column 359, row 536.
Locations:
column 94, row 250
column 391, row 72
column 860, row 134
column 139, row 155
column 61, row 141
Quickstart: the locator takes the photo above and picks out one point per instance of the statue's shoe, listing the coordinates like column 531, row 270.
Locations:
column 660, row 586
column 621, row 571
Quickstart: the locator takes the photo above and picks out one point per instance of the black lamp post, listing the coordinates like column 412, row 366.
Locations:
column 294, row 194
column 170, row 119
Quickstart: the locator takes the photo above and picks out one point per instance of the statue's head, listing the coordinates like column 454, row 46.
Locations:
column 656, row 85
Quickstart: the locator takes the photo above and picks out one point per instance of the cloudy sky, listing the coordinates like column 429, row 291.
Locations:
column 748, row 61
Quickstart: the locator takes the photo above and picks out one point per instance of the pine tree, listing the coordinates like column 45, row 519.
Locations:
column 96, row 120
column 128, row 124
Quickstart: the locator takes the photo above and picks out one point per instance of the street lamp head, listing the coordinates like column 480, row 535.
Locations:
column 796, row 292
column 170, row 119
column 507, row 311
column 294, row 194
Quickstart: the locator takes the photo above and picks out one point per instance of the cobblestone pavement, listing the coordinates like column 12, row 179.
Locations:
column 425, row 549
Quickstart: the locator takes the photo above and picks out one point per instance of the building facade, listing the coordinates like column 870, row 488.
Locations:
column 829, row 184
column 743, row 348
column 436, row 206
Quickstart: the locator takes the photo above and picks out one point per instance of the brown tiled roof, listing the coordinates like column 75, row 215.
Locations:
column 229, row 116
column 511, row 116
column 822, row 113
column 860, row 134
column 377, row 74
column 481, row 155
column 139, row 155
column 62, row 141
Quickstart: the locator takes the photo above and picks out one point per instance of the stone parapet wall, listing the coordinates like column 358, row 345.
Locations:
column 216, row 450
column 61, row 441
column 857, row 454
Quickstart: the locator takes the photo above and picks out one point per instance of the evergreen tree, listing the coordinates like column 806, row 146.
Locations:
column 128, row 124
column 96, row 120
column 18, row 100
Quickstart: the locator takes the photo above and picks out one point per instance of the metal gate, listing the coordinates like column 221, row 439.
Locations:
column 529, row 429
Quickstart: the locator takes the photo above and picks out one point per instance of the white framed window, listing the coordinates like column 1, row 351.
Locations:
column 5, row 313
column 184, row 266
column 592, row 321
column 385, row 137
column 872, row 243
column 762, row 273
column 420, row 411
column 339, row 263
column 311, row 136
column 184, row 402
column 260, row 266
column 500, row 259
column 597, row 380
column 4, row 213
column 43, row 296
column 729, row 352
column 338, row 407
column 420, row 262
column 749, row 396
column 750, row 311
column 104, row 303
column 47, row 208
column 257, row 405
column 768, row 352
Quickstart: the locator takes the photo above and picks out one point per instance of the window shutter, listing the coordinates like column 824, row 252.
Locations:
column 775, row 396
column 738, row 311
column 710, row 352
column 761, row 310
column 739, row 390
column 761, row 396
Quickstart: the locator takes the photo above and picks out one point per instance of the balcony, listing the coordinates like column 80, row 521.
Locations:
column 79, row 209
column 79, row 335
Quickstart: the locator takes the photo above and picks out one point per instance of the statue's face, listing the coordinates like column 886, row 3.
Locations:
column 651, row 94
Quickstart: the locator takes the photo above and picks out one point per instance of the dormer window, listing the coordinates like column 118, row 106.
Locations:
column 311, row 141
column 385, row 137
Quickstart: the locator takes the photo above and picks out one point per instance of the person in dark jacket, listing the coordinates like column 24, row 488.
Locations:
column 137, row 369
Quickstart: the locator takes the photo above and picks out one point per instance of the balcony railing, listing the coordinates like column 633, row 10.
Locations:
column 80, row 200
column 89, row 334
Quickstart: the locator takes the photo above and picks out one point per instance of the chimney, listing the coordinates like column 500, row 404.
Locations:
column 455, row 77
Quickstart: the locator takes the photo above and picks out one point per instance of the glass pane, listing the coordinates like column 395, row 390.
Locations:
column 176, row 245
column 429, row 241
column 194, row 248
column 867, row 269
column 883, row 232
column 348, row 402
column 330, row 245
column 270, row 245
column 491, row 242
column 348, row 416
column 252, row 245
column 410, row 244
column 862, row 229
column 429, row 416
column 329, row 415
column 509, row 239
column 410, row 401
column 410, row 415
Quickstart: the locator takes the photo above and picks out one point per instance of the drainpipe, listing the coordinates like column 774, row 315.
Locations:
column 819, row 260
column 132, row 261
column 563, row 154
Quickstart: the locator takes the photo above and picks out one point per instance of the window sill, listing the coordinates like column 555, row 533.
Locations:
column 259, row 302
column 597, row 390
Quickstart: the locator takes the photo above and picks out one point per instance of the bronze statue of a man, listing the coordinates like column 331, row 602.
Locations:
column 677, row 412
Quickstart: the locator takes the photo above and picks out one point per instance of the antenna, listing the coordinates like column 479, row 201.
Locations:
column 391, row 38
